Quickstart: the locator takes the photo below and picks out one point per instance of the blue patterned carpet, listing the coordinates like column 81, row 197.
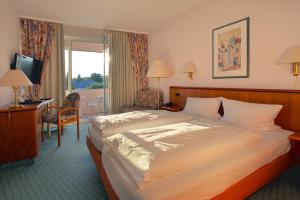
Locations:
column 61, row 173
column 285, row 187
column 69, row 173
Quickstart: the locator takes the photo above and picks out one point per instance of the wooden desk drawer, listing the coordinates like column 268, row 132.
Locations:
column 19, row 136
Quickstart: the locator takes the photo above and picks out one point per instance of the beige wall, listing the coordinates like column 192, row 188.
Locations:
column 9, row 43
column 83, row 32
column 274, row 26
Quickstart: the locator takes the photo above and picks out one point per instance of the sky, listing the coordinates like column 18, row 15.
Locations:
column 86, row 63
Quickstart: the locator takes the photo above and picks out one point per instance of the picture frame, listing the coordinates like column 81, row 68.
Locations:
column 230, row 50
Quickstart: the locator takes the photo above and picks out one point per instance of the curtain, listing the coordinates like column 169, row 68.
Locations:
column 36, row 41
column 139, row 53
column 122, row 82
column 53, row 82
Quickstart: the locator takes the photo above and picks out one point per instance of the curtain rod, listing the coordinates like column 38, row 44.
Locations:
column 125, row 30
column 59, row 22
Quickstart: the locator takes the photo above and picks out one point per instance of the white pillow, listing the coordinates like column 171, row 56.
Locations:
column 207, row 107
column 254, row 116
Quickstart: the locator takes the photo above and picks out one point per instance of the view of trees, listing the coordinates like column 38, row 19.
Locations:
column 95, row 81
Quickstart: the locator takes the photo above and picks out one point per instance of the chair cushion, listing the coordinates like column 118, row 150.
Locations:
column 52, row 117
column 49, row 118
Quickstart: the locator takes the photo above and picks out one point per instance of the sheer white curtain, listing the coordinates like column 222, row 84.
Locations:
column 53, row 82
column 122, row 81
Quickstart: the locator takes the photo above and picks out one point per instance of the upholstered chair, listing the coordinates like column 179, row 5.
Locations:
column 145, row 100
column 68, row 113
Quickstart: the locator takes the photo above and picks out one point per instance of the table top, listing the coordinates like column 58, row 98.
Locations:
column 295, row 136
column 7, row 108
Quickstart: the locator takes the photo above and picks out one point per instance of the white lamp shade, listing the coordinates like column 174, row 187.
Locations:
column 159, row 69
column 292, row 55
column 14, row 78
column 189, row 68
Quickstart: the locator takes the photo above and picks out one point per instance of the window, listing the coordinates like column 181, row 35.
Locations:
column 87, row 73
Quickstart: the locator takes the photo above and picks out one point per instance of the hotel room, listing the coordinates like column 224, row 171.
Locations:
column 111, row 99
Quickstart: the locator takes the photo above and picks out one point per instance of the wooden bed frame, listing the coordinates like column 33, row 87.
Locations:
column 288, row 118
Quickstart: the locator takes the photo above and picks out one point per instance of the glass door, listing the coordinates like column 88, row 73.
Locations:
column 86, row 73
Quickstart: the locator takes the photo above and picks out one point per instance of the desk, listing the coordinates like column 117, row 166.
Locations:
column 20, row 131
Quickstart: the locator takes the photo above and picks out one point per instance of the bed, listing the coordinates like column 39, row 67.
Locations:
column 273, row 161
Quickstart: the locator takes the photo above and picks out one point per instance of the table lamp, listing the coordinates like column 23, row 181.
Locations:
column 15, row 78
column 292, row 56
column 190, row 69
column 158, row 69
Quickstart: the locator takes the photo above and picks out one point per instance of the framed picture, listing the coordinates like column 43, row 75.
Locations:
column 230, row 50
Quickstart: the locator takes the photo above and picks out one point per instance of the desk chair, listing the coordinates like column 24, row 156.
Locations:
column 68, row 113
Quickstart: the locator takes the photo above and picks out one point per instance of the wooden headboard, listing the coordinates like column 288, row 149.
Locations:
column 288, row 118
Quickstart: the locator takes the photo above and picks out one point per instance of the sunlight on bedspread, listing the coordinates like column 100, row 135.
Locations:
column 156, row 133
column 113, row 124
column 158, row 151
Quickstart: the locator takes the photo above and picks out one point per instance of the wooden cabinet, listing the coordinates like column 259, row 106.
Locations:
column 295, row 141
column 20, row 132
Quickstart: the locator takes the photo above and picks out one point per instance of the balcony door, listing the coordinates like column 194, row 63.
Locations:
column 86, row 70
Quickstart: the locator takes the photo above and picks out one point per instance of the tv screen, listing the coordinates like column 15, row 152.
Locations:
column 32, row 68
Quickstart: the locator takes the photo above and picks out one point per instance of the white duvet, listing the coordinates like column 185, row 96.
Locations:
column 118, row 123
column 156, row 152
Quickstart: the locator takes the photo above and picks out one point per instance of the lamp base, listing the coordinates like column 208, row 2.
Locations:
column 16, row 104
column 296, row 69
column 158, row 94
column 190, row 74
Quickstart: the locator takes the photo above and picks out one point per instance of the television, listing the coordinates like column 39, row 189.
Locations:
column 31, row 67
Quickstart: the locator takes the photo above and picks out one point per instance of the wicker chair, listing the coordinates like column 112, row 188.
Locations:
column 145, row 100
column 68, row 113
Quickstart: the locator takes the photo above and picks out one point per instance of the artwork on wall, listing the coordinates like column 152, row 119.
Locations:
column 230, row 50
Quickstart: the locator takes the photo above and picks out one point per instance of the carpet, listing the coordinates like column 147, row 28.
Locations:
column 61, row 173
column 284, row 187
column 69, row 172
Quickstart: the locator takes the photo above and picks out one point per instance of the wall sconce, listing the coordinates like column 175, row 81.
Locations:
column 190, row 69
column 292, row 56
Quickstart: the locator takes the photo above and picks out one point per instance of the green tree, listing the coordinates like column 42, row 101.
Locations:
column 96, row 86
column 97, row 77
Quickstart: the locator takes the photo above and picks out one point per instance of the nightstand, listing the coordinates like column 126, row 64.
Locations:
column 174, row 108
column 295, row 141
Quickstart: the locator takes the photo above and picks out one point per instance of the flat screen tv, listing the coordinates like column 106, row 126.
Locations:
column 32, row 68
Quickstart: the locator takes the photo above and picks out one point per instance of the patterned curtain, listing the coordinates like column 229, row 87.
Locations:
column 36, row 41
column 139, row 52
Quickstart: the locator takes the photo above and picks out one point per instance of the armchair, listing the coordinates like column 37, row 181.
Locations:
column 68, row 113
column 145, row 100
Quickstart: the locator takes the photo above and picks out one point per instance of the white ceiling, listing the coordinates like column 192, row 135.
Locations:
column 131, row 15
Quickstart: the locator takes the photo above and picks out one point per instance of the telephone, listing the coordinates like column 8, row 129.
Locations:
column 169, row 104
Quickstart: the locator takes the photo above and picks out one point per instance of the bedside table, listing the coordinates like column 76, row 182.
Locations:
column 295, row 138
column 174, row 108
